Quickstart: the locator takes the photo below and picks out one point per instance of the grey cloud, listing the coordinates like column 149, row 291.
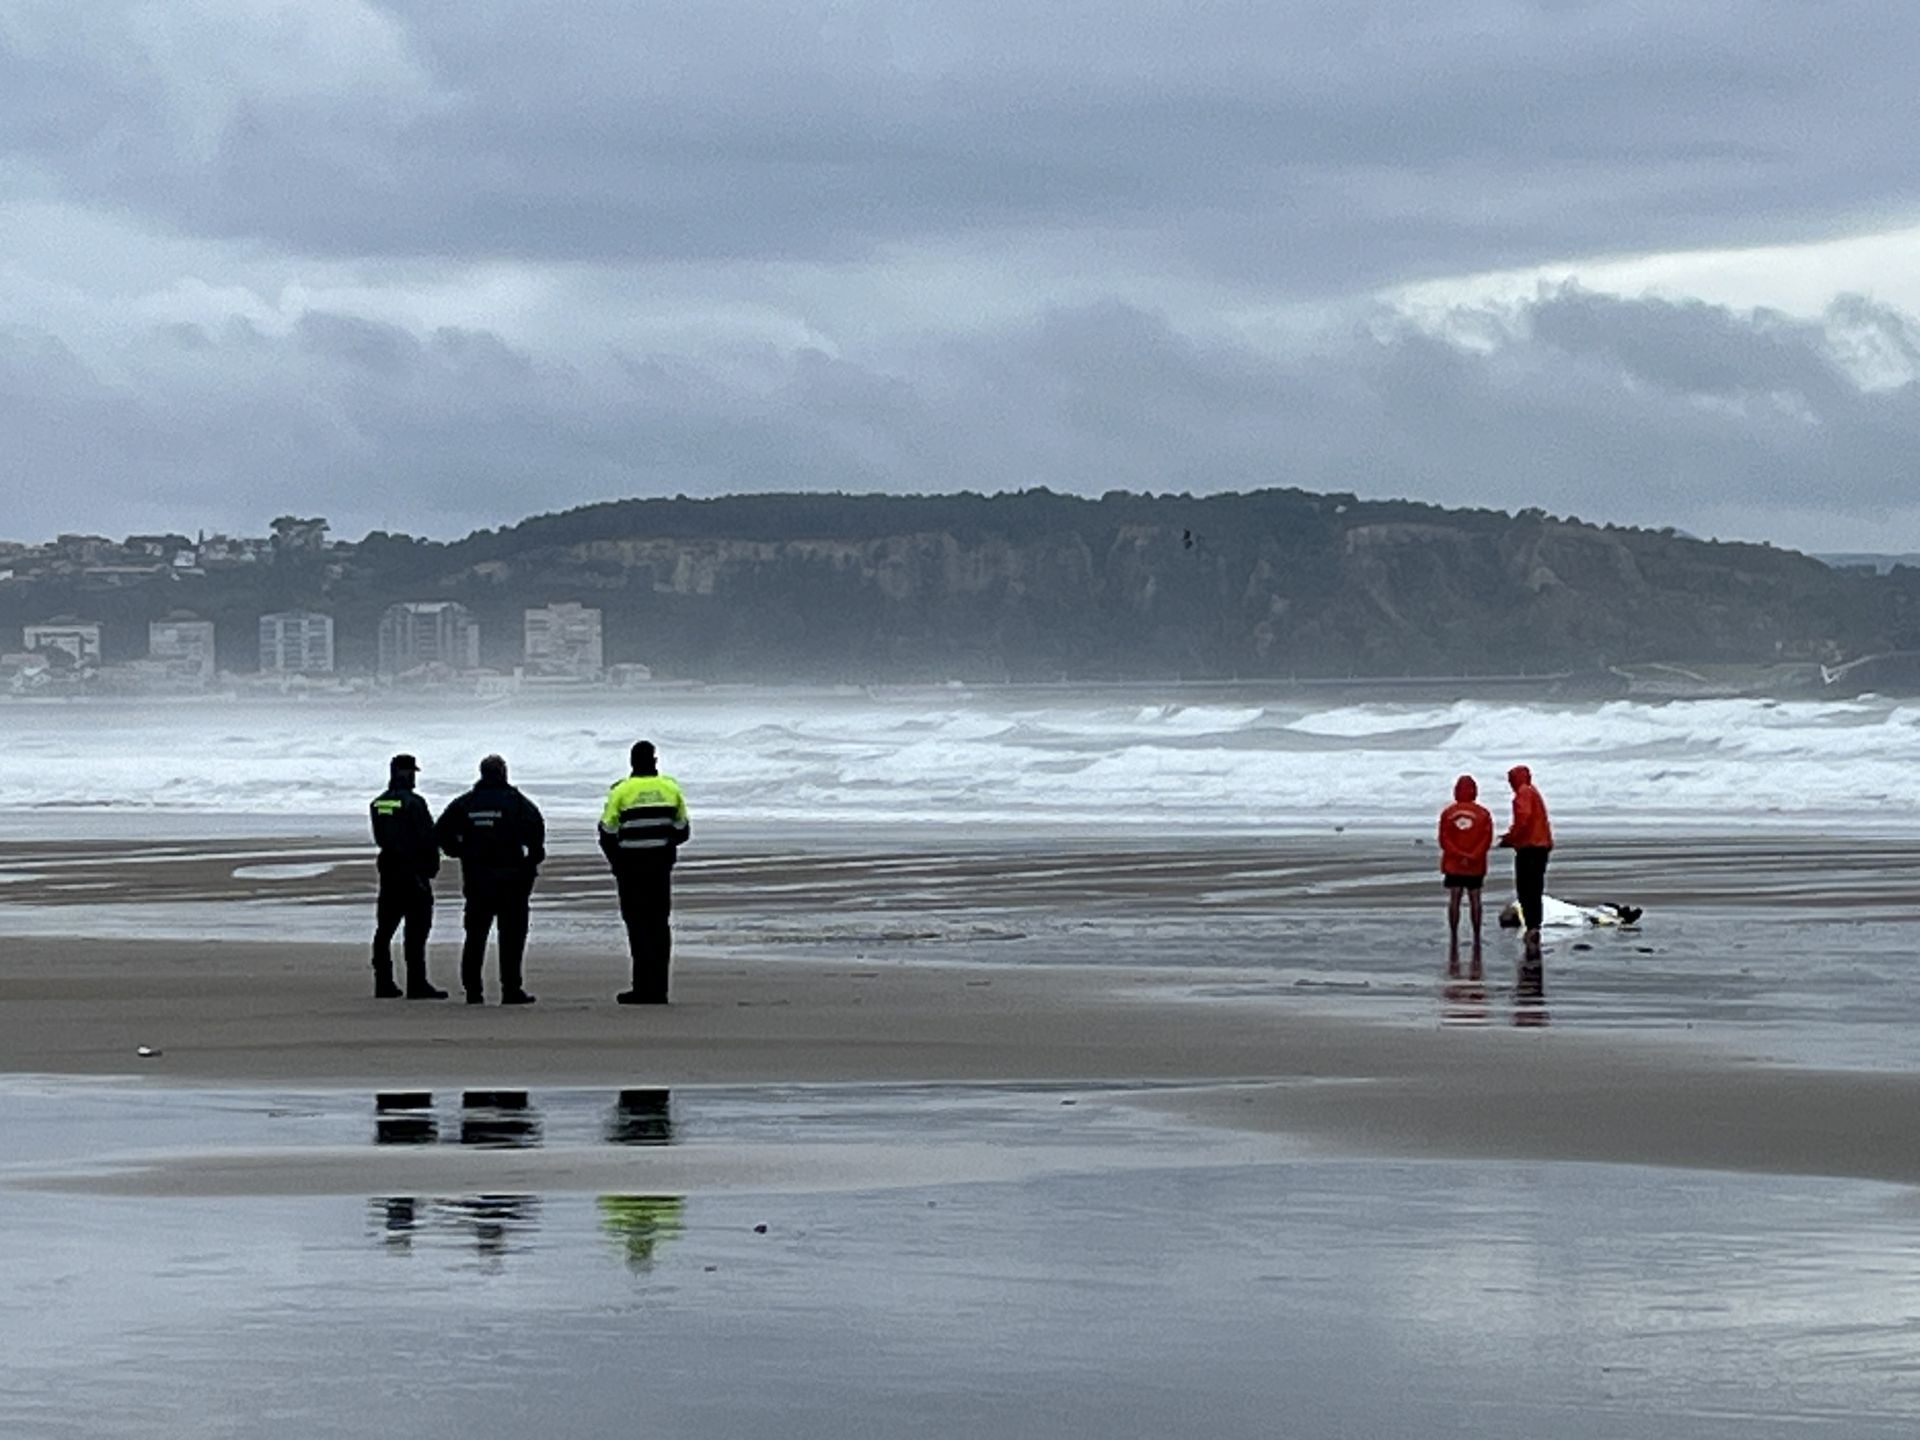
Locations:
column 1643, row 411
column 1307, row 146
column 1692, row 348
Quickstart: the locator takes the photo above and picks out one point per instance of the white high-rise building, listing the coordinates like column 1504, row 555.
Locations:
column 185, row 646
column 79, row 638
column 564, row 639
column 296, row 642
column 416, row 634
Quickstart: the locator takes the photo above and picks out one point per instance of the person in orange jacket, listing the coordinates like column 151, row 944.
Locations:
column 1466, row 834
column 1530, row 838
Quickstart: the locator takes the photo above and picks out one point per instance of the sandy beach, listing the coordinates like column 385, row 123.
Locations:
column 296, row 1014
column 1165, row 1128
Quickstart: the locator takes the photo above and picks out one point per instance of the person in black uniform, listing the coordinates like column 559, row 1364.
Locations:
column 408, row 860
column 500, row 840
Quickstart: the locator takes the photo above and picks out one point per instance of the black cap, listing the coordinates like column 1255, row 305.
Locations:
column 403, row 762
column 492, row 767
column 641, row 755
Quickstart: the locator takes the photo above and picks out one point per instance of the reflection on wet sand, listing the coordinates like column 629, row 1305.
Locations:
column 507, row 1119
column 1463, row 994
column 497, row 1225
column 641, row 1117
column 500, row 1131
column 400, row 1214
column 406, row 1130
column 641, row 1223
column 495, row 1222
column 1463, row 990
column 1530, row 992
column 404, row 1117
column 498, row 1119
column 501, row 1119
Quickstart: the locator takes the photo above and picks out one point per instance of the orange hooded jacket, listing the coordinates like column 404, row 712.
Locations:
column 1466, row 831
column 1530, row 830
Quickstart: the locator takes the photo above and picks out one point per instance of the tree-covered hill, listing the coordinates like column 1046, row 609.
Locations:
column 1038, row 585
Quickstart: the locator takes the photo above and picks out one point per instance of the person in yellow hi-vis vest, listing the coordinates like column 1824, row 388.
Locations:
column 642, row 828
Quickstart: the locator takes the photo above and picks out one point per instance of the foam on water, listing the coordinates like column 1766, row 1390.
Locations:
column 1119, row 760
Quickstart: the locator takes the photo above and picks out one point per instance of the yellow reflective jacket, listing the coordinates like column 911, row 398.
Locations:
column 645, row 817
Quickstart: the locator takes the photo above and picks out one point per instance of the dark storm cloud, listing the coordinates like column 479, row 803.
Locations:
column 1643, row 410
column 1639, row 410
column 1310, row 145
column 945, row 176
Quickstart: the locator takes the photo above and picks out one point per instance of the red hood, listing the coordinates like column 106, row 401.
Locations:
column 1464, row 789
column 1519, row 775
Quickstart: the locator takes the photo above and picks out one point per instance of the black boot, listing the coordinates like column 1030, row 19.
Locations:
column 418, row 986
column 383, row 986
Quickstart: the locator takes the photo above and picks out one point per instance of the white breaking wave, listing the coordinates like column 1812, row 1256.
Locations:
column 1128, row 761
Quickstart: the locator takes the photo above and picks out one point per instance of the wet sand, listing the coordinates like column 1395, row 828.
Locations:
column 863, row 964
column 293, row 1015
column 1043, row 1285
column 1113, row 1136
column 741, row 872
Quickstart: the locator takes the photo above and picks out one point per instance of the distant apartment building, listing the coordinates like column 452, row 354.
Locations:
column 184, row 646
column 564, row 640
column 80, row 639
column 417, row 634
column 296, row 642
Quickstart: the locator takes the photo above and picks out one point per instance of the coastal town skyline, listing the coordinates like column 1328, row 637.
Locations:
column 420, row 642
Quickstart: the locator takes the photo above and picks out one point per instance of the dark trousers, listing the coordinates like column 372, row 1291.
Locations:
column 507, row 905
column 646, row 904
column 1530, row 881
column 404, row 900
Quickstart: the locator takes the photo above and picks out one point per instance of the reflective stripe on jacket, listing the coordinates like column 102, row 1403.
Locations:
column 644, row 813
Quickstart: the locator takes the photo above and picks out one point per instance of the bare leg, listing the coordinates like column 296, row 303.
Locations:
column 1473, row 901
column 1453, row 914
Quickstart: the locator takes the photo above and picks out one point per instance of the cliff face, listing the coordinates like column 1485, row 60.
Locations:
column 1041, row 586
column 1271, row 584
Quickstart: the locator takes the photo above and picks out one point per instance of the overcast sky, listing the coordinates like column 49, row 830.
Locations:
column 435, row 264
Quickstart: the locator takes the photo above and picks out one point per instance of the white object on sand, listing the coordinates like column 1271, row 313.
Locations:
column 1559, row 915
column 146, row 1052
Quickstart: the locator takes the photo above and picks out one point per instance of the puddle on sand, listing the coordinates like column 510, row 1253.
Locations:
column 1306, row 1297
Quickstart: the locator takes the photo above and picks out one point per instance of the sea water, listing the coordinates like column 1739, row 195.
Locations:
column 1142, row 760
